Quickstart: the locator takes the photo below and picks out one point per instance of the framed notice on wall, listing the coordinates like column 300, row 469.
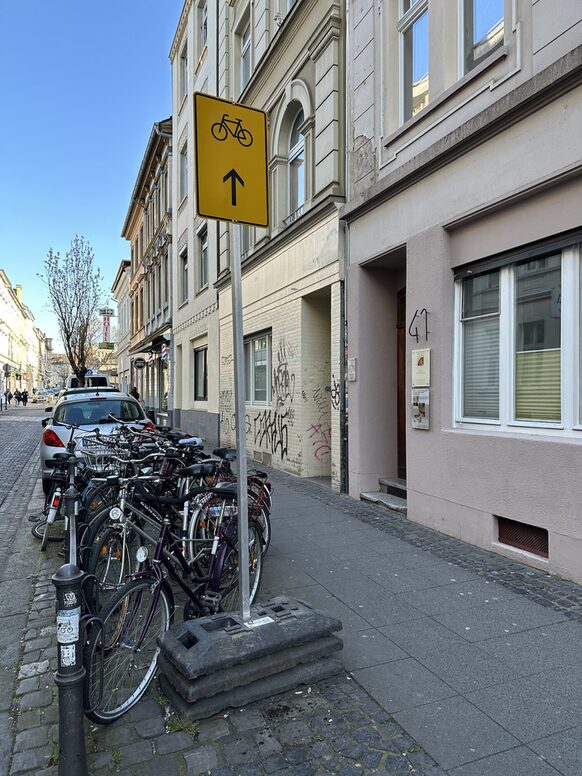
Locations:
column 421, row 368
column 420, row 408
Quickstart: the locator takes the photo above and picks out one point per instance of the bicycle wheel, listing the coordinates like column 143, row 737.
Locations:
column 219, row 131
column 111, row 562
column 244, row 137
column 228, row 565
column 260, row 515
column 96, row 499
column 121, row 657
column 55, row 532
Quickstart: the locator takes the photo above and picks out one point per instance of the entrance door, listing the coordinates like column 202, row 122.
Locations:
column 401, row 380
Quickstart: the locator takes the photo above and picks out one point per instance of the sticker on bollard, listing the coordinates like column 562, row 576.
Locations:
column 68, row 655
column 68, row 625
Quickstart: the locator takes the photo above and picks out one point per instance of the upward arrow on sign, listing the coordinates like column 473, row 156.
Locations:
column 234, row 177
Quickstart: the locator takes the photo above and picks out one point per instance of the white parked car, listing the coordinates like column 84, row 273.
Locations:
column 88, row 411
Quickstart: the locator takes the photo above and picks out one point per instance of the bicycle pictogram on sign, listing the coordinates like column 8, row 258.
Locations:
column 225, row 127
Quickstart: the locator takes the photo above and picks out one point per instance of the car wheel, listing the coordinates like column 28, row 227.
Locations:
column 47, row 486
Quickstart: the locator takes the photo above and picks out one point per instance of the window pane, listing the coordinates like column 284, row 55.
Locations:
column 260, row 369
column 247, row 371
column 200, row 380
column 538, row 340
column 481, row 295
column 245, row 69
column 297, row 182
column 296, row 136
column 183, row 172
column 416, row 66
column 483, row 29
column 481, row 368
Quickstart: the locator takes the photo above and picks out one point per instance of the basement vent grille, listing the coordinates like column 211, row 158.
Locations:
column 525, row 537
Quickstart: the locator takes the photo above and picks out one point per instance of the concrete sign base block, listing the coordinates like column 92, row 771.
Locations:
column 216, row 662
column 242, row 696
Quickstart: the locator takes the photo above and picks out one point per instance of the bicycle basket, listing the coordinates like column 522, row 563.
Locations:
column 97, row 453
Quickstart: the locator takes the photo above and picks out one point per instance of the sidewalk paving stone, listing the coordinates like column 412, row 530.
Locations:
column 437, row 635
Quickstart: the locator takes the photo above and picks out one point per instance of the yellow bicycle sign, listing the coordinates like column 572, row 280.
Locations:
column 231, row 161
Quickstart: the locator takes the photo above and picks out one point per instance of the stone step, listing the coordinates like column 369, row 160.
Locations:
column 394, row 485
column 386, row 500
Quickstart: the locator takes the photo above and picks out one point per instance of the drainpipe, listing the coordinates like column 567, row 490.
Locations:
column 344, row 424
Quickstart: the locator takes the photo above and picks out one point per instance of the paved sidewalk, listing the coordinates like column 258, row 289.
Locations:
column 457, row 662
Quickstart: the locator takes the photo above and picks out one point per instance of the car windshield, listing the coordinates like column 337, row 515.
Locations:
column 96, row 411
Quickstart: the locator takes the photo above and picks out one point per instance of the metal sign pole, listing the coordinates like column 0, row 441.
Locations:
column 241, row 442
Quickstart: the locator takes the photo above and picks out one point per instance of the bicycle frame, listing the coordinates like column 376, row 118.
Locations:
column 163, row 557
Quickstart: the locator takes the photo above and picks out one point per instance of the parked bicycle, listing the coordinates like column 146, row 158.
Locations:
column 120, row 657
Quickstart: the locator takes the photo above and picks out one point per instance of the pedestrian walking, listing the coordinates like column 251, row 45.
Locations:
column 24, row 397
column 17, row 398
column 134, row 392
column 9, row 396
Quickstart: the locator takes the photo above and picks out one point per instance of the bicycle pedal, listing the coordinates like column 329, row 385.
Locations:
column 211, row 600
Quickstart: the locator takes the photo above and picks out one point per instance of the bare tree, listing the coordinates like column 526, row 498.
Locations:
column 74, row 287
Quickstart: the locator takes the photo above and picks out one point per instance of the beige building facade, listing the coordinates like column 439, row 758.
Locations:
column 148, row 229
column 288, row 60
column 24, row 348
column 120, row 293
column 465, row 232
column 195, row 240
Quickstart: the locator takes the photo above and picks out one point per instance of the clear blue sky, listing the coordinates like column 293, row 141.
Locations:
column 81, row 83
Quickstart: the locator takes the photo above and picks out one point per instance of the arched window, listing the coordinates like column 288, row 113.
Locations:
column 296, row 165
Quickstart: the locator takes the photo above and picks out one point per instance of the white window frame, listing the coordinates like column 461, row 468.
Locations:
column 183, row 256
column 463, row 41
column 183, row 179
column 250, row 372
column 183, row 75
column 405, row 23
column 202, row 25
column 570, row 362
column 245, row 49
column 202, row 235
column 294, row 153
column 195, row 351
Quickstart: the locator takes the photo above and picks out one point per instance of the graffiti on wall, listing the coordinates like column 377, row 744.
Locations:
column 283, row 378
column 320, row 436
column 335, row 393
column 271, row 431
column 320, row 432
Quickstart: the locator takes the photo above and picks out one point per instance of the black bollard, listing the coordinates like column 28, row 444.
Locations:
column 70, row 672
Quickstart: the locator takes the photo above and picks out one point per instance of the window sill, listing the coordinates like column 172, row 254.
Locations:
column 202, row 290
column 182, row 101
column 183, row 201
column 517, row 430
column 201, row 58
column 496, row 56
column 182, row 304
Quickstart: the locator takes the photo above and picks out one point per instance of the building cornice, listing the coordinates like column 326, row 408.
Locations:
column 182, row 22
column 289, row 235
column 124, row 265
column 545, row 87
column 147, row 167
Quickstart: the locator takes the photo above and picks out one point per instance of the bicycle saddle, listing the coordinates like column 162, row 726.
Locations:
column 199, row 469
column 225, row 452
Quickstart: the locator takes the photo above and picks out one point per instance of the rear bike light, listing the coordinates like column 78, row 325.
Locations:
column 149, row 426
column 56, row 501
column 50, row 439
